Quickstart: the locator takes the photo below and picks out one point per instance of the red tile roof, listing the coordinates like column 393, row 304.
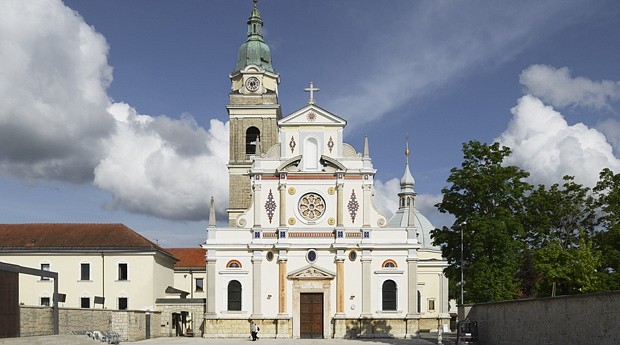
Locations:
column 188, row 257
column 37, row 237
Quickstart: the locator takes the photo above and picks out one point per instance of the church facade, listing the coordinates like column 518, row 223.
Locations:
column 306, row 254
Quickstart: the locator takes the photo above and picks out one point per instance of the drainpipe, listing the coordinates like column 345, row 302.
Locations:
column 103, row 278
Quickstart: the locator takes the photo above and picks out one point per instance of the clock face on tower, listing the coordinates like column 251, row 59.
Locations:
column 252, row 84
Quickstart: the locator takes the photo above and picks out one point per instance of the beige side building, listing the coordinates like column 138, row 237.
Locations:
column 101, row 266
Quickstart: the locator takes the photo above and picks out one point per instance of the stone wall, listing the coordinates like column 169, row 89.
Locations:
column 195, row 318
column 35, row 321
column 578, row 319
column 131, row 325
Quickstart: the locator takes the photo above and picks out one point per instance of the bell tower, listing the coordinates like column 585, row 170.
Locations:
column 253, row 110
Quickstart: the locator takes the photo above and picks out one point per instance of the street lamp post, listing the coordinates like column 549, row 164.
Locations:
column 462, row 300
column 462, row 280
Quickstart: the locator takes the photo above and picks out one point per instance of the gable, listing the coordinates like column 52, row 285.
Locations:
column 311, row 272
column 312, row 115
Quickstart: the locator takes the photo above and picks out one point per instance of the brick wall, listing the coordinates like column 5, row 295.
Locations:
column 578, row 319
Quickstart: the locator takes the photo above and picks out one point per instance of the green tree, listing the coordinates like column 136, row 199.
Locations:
column 607, row 240
column 560, row 222
column 485, row 197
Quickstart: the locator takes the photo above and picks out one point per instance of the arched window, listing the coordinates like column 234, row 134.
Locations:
column 233, row 264
column 389, row 264
column 252, row 134
column 234, row 296
column 388, row 295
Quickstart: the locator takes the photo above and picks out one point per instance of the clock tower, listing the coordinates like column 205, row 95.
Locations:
column 253, row 110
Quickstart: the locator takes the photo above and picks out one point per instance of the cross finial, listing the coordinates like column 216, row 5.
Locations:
column 255, row 2
column 311, row 89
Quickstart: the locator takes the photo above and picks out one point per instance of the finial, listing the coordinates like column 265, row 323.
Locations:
column 311, row 89
column 407, row 152
column 366, row 150
column 255, row 2
column 212, row 222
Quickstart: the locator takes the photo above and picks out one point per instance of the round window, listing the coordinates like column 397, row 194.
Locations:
column 311, row 206
column 311, row 256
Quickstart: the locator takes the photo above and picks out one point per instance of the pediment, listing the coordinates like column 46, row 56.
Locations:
column 311, row 272
column 312, row 115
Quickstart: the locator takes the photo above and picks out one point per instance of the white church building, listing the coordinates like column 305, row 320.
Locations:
column 306, row 254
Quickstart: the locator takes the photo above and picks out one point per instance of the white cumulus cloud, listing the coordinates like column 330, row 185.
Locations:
column 544, row 144
column 58, row 123
column 556, row 86
column 53, row 80
column 164, row 167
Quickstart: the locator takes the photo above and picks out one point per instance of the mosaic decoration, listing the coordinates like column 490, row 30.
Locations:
column 292, row 144
column 311, row 206
column 270, row 206
column 330, row 144
column 353, row 206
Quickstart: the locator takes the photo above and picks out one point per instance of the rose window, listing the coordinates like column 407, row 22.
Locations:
column 311, row 206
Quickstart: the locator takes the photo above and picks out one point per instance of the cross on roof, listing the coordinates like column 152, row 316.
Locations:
column 311, row 89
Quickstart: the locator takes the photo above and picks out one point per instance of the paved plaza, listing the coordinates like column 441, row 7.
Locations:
column 425, row 339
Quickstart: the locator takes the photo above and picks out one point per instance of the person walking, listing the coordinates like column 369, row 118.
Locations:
column 254, row 331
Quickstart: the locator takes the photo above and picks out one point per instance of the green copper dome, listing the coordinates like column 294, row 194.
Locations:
column 254, row 51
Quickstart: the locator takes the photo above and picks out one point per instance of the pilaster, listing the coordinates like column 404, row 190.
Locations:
column 257, row 260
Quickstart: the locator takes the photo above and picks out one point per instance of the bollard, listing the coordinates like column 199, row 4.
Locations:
column 440, row 336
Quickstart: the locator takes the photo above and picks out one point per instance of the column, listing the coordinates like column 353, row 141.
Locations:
column 282, row 190
column 367, row 194
column 257, row 261
column 366, row 277
column 339, row 285
column 257, row 208
column 282, row 285
column 211, row 298
column 412, row 287
column 339, row 204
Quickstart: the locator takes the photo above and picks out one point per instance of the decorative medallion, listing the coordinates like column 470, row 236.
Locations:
column 291, row 221
column 311, row 116
column 292, row 144
column 270, row 206
column 331, row 221
column 353, row 206
column 331, row 191
column 311, row 206
column 292, row 191
column 311, row 256
column 330, row 144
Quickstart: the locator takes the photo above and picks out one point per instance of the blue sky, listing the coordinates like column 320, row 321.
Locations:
column 115, row 111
